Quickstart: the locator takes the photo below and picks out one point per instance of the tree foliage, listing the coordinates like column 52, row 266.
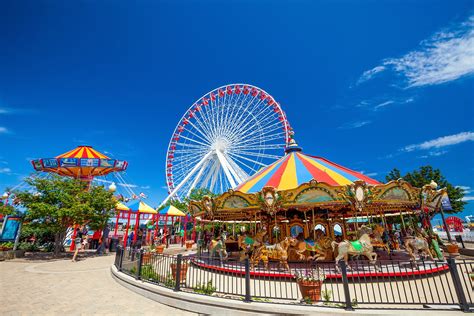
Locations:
column 6, row 209
column 196, row 195
column 418, row 178
column 58, row 203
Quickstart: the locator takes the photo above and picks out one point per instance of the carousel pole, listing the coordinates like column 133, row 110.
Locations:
column 185, row 229
column 125, row 237
column 314, row 231
column 193, row 236
column 403, row 223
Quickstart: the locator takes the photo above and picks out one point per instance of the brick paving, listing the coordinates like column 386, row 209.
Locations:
column 61, row 287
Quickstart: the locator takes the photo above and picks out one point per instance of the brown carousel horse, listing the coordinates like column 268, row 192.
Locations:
column 248, row 244
column 321, row 247
column 218, row 245
column 377, row 241
column 277, row 251
column 363, row 246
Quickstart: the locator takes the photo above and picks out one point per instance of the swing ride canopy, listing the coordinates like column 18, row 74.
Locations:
column 83, row 163
column 171, row 211
column 302, row 183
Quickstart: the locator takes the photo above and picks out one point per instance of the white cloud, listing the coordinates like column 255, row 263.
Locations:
column 4, row 111
column 355, row 124
column 446, row 56
column 465, row 189
column 381, row 105
column 5, row 170
column 369, row 74
column 3, row 130
column 442, row 141
column 145, row 187
column 468, row 198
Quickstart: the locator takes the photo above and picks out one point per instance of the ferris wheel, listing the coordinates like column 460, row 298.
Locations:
column 224, row 137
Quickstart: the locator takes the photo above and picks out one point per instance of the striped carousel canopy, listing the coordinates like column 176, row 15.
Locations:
column 296, row 168
column 82, row 162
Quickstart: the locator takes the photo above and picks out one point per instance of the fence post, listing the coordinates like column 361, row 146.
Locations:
column 178, row 273
column 248, row 298
column 458, row 285
column 122, row 252
column 345, row 283
column 139, row 265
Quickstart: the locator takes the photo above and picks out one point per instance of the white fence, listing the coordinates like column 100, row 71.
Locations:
column 466, row 236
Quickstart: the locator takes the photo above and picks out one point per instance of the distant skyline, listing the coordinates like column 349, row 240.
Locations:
column 368, row 85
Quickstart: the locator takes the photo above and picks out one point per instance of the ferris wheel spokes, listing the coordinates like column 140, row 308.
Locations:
column 223, row 137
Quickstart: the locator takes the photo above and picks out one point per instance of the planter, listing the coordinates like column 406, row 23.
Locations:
column 183, row 272
column 189, row 244
column 160, row 248
column 146, row 257
column 453, row 249
column 311, row 290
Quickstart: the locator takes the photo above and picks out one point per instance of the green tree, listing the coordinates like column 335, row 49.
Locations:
column 6, row 209
column 424, row 175
column 59, row 203
column 195, row 195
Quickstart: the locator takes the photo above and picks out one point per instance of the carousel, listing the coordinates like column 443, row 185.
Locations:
column 310, row 208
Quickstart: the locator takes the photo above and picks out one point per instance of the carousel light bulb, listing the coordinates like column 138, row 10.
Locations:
column 112, row 187
column 433, row 185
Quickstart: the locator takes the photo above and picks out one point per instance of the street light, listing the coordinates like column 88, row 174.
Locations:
column 112, row 187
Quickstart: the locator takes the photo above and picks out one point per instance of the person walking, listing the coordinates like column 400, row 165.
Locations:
column 103, row 245
column 78, row 243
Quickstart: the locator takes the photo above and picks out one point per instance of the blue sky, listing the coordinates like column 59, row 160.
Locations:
column 371, row 85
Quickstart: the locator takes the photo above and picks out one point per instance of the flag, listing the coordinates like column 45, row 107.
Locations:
column 445, row 203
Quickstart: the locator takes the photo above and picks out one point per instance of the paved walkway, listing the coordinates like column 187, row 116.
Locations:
column 62, row 287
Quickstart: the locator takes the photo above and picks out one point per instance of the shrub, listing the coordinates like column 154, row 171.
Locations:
column 206, row 289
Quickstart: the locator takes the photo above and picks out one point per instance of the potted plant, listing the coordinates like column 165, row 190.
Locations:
column 453, row 248
column 160, row 248
column 310, row 283
column 189, row 244
column 183, row 272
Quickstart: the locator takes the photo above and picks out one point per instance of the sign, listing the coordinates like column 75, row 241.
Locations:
column 445, row 203
column 89, row 162
column 68, row 162
column 50, row 163
column 10, row 229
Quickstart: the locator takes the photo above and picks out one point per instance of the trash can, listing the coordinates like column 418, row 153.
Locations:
column 113, row 244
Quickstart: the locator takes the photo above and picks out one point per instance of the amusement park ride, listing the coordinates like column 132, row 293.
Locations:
column 224, row 137
column 231, row 141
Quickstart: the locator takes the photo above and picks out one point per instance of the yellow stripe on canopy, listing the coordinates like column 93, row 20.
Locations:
column 121, row 207
column 145, row 208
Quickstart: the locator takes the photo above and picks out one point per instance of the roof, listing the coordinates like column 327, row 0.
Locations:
column 141, row 207
column 296, row 168
column 119, row 206
column 83, row 152
column 171, row 211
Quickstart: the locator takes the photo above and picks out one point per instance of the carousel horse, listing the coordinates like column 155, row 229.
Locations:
column 321, row 247
column 248, row 244
column 363, row 246
column 277, row 251
column 218, row 245
column 377, row 241
column 414, row 244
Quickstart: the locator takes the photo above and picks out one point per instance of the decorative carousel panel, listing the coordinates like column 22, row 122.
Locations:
column 235, row 202
column 396, row 193
column 313, row 195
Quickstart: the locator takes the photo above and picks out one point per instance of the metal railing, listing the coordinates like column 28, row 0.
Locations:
column 388, row 284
